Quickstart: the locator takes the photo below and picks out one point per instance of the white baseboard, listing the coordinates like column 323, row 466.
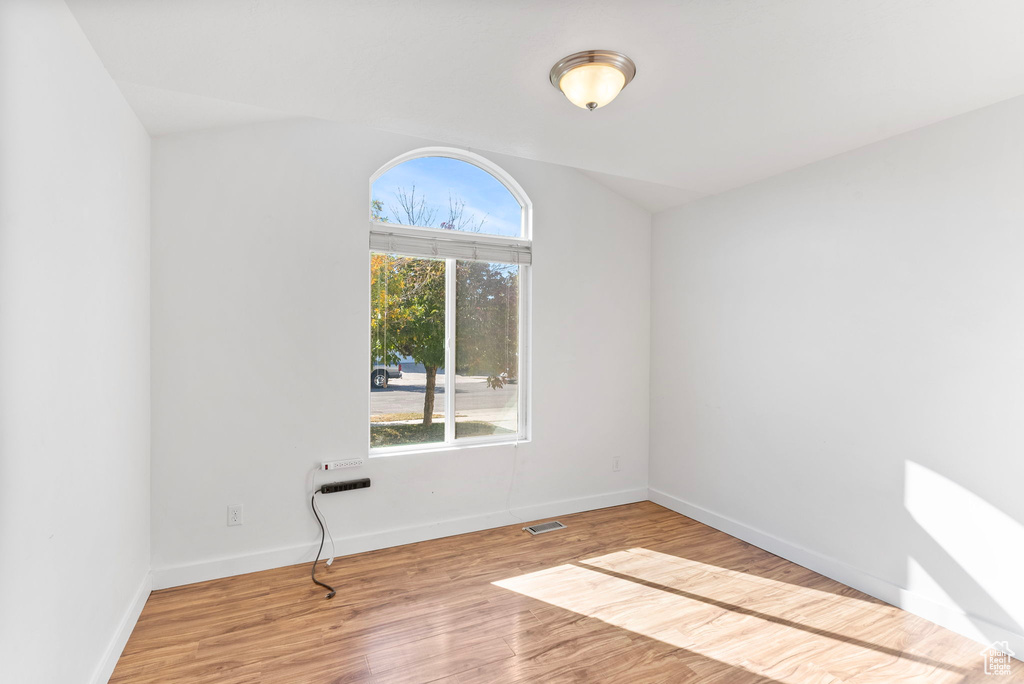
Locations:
column 948, row 616
column 276, row 558
column 124, row 630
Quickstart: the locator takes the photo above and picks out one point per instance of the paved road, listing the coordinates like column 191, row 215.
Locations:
column 473, row 397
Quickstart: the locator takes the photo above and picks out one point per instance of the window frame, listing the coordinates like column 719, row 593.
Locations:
column 524, row 241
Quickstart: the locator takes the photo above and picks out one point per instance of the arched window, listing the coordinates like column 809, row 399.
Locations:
column 450, row 254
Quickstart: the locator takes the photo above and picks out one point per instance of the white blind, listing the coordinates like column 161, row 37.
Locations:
column 459, row 246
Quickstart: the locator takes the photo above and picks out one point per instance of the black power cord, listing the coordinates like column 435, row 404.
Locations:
column 323, row 535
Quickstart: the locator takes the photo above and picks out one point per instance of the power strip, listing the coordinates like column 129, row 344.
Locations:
column 346, row 486
column 336, row 465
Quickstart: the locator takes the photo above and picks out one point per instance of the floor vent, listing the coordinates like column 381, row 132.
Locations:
column 545, row 527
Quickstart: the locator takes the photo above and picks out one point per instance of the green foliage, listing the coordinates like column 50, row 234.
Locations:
column 407, row 314
column 377, row 211
column 386, row 286
column 418, row 330
column 407, row 309
column 487, row 320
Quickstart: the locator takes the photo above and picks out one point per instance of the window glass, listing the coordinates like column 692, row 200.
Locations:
column 449, row 276
column 486, row 349
column 445, row 193
column 407, row 350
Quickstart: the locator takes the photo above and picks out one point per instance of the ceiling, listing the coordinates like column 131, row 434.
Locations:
column 727, row 91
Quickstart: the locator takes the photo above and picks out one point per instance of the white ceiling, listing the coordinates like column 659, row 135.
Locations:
column 653, row 197
column 165, row 111
column 726, row 92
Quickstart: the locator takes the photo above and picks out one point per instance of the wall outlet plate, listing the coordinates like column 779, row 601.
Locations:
column 347, row 463
column 235, row 514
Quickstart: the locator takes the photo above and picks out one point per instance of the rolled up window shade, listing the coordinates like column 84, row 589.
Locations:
column 459, row 246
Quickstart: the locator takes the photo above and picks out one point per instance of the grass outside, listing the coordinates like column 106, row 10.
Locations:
column 391, row 417
column 417, row 433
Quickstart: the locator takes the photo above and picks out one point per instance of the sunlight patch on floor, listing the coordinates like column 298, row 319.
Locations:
column 655, row 566
column 775, row 631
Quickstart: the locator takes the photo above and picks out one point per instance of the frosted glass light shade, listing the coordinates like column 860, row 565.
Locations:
column 592, row 78
column 592, row 85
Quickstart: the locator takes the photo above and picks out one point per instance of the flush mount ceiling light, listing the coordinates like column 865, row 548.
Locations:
column 592, row 78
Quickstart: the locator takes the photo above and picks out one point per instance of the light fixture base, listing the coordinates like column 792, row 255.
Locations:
column 609, row 57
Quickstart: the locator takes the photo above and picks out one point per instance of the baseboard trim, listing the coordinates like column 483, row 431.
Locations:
column 124, row 630
column 951, row 617
column 178, row 575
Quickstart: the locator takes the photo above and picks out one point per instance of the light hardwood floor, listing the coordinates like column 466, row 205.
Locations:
column 629, row 594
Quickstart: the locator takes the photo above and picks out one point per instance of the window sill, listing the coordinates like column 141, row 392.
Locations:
column 461, row 445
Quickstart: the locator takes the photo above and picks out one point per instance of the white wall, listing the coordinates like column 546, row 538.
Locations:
column 838, row 367
column 74, row 353
column 260, row 337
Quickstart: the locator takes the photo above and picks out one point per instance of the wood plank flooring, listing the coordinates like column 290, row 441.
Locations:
column 630, row 594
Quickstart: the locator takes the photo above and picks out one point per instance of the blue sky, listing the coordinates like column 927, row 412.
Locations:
column 434, row 177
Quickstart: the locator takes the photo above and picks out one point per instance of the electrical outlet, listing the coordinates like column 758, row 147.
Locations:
column 348, row 463
column 235, row 514
column 616, row 465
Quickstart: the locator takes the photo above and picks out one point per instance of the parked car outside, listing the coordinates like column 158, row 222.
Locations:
column 380, row 375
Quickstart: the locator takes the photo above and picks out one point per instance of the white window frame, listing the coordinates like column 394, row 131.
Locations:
column 429, row 242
